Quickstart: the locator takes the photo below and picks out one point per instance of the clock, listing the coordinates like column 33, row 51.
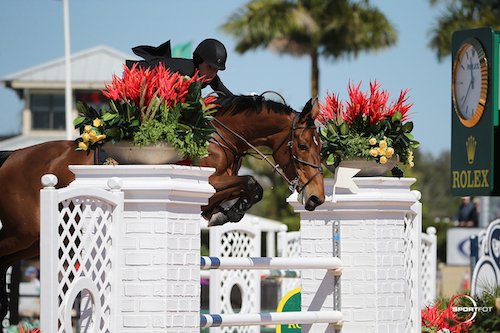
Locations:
column 470, row 82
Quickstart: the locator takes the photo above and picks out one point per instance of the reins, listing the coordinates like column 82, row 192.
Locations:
column 293, row 184
column 275, row 167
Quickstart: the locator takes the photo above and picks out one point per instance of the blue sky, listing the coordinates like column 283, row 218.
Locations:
column 31, row 33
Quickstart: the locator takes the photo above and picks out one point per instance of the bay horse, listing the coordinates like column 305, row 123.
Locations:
column 243, row 122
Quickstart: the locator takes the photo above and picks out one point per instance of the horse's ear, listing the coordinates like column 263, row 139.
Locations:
column 311, row 109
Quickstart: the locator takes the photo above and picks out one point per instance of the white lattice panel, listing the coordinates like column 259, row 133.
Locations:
column 412, row 227
column 235, row 240
column 76, row 254
column 428, row 267
column 85, row 251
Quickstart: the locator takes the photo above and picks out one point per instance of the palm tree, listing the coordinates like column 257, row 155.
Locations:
column 329, row 28
column 462, row 14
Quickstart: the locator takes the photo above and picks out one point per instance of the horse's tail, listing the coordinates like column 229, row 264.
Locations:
column 4, row 155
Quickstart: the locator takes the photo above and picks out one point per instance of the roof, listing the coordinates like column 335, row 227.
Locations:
column 90, row 68
column 23, row 141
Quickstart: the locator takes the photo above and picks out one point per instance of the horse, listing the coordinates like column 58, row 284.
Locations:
column 244, row 122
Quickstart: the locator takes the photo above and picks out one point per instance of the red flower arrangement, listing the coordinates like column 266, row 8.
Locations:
column 368, row 125
column 148, row 106
column 442, row 319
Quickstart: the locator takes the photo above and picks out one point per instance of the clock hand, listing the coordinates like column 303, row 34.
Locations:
column 471, row 73
column 467, row 93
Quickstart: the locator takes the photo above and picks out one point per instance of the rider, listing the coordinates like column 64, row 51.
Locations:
column 208, row 58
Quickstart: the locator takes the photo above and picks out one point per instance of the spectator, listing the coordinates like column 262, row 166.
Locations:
column 32, row 274
column 467, row 213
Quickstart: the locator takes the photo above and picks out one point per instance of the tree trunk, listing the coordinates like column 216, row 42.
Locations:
column 314, row 73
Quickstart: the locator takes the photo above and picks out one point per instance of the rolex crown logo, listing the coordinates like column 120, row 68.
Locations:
column 470, row 144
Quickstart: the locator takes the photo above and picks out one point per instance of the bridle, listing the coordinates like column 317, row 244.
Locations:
column 294, row 183
column 294, row 159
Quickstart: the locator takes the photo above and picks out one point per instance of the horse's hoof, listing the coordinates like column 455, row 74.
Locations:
column 234, row 216
column 218, row 219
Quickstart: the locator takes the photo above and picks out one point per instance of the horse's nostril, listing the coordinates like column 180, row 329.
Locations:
column 314, row 199
column 312, row 203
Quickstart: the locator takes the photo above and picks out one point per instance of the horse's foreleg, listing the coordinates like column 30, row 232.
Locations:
column 226, row 188
column 251, row 195
column 244, row 188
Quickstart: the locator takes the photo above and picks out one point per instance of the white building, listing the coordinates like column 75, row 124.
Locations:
column 42, row 90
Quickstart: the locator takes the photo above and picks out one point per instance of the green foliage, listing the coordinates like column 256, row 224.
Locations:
column 185, row 130
column 484, row 322
column 439, row 207
column 312, row 28
column 185, row 126
column 342, row 140
column 459, row 15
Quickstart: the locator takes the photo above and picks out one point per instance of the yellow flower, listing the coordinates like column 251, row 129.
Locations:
column 383, row 160
column 411, row 164
column 374, row 152
column 382, row 151
column 97, row 122
column 93, row 136
column 83, row 146
column 382, row 144
column 389, row 152
column 85, row 137
column 100, row 137
column 373, row 141
column 88, row 128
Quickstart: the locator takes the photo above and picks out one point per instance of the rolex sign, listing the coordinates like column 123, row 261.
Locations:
column 475, row 141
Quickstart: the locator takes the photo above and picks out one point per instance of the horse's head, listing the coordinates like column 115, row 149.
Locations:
column 302, row 156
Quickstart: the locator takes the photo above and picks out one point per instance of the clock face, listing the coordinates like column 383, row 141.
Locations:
column 470, row 82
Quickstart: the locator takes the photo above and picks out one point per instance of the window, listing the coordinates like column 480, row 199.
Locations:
column 47, row 111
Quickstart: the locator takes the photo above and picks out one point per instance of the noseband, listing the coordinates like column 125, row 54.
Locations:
column 294, row 183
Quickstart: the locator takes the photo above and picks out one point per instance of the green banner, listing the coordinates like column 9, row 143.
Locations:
column 291, row 302
column 183, row 51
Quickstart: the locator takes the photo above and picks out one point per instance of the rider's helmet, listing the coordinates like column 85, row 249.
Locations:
column 212, row 52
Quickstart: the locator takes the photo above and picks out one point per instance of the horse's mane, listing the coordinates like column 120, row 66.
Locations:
column 250, row 103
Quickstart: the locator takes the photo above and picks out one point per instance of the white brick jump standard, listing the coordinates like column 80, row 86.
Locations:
column 378, row 229
column 159, row 244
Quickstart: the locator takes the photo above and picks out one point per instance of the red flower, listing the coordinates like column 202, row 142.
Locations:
column 372, row 105
column 210, row 99
column 331, row 109
column 401, row 106
column 434, row 317
column 140, row 85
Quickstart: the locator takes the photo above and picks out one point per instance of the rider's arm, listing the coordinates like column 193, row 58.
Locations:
column 219, row 87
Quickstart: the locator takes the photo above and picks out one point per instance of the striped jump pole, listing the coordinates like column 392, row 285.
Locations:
column 267, row 274
column 332, row 263
column 271, row 318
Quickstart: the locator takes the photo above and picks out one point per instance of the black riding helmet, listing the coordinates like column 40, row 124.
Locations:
column 212, row 52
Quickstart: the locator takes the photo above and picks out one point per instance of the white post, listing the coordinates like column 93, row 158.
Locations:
column 49, row 245
column 375, row 294
column 67, row 68
column 158, row 269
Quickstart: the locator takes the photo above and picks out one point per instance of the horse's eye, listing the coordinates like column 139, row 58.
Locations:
column 303, row 146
